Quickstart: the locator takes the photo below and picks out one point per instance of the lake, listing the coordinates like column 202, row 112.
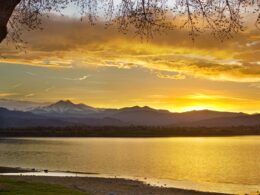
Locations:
column 223, row 164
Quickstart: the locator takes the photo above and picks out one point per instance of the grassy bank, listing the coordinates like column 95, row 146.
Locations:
column 35, row 185
column 11, row 186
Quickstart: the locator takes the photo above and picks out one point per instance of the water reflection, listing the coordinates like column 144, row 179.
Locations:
column 233, row 160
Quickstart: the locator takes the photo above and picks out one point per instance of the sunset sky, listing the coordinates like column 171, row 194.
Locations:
column 101, row 67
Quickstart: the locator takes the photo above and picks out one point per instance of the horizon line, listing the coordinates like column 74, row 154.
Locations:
column 136, row 105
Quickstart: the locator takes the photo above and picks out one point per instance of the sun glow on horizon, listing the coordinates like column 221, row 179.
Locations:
column 200, row 107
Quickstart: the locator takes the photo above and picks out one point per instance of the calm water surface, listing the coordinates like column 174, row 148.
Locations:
column 230, row 164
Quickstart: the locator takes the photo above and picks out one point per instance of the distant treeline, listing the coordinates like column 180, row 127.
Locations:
column 130, row 131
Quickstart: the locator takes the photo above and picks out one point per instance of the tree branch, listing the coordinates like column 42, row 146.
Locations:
column 6, row 9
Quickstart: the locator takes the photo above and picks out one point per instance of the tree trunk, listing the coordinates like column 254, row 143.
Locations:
column 6, row 9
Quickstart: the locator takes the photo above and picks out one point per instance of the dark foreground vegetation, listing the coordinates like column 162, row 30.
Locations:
column 131, row 131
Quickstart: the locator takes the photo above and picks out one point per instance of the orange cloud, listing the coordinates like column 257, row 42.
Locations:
column 69, row 43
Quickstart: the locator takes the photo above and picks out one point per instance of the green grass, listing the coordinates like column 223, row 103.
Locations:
column 11, row 186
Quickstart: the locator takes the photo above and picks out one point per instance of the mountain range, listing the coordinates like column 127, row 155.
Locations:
column 66, row 113
column 20, row 105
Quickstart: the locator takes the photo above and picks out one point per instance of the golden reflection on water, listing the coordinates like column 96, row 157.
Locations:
column 216, row 159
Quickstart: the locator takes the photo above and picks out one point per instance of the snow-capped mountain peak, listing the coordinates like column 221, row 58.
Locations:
column 65, row 107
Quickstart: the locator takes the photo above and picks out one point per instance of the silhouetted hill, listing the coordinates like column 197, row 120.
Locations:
column 63, row 113
column 144, row 116
column 149, row 116
column 18, row 119
column 244, row 120
column 197, row 115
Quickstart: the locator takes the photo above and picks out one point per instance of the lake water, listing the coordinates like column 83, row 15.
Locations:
column 224, row 164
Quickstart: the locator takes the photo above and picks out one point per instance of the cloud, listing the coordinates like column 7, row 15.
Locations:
column 69, row 43
column 49, row 88
column 252, row 43
column 170, row 75
column 3, row 94
column 83, row 78
column 78, row 79
column 201, row 96
column 211, row 68
column 29, row 95
column 30, row 73
column 17, row 85
column 256, row 85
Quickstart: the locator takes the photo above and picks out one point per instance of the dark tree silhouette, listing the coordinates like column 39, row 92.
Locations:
column 222, row 17
column 6, row 10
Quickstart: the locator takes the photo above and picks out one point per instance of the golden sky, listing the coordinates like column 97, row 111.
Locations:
column 101, row 67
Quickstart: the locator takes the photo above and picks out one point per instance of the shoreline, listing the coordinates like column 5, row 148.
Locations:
column 93, row 184
column 131, row 137
column 132, row 131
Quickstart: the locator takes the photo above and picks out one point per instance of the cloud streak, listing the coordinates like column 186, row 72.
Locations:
column 3, row 94
column 170, row 75
column 29, row 95
column 78, row 79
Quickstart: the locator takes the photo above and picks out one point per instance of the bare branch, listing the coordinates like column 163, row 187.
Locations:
column 223, row 18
